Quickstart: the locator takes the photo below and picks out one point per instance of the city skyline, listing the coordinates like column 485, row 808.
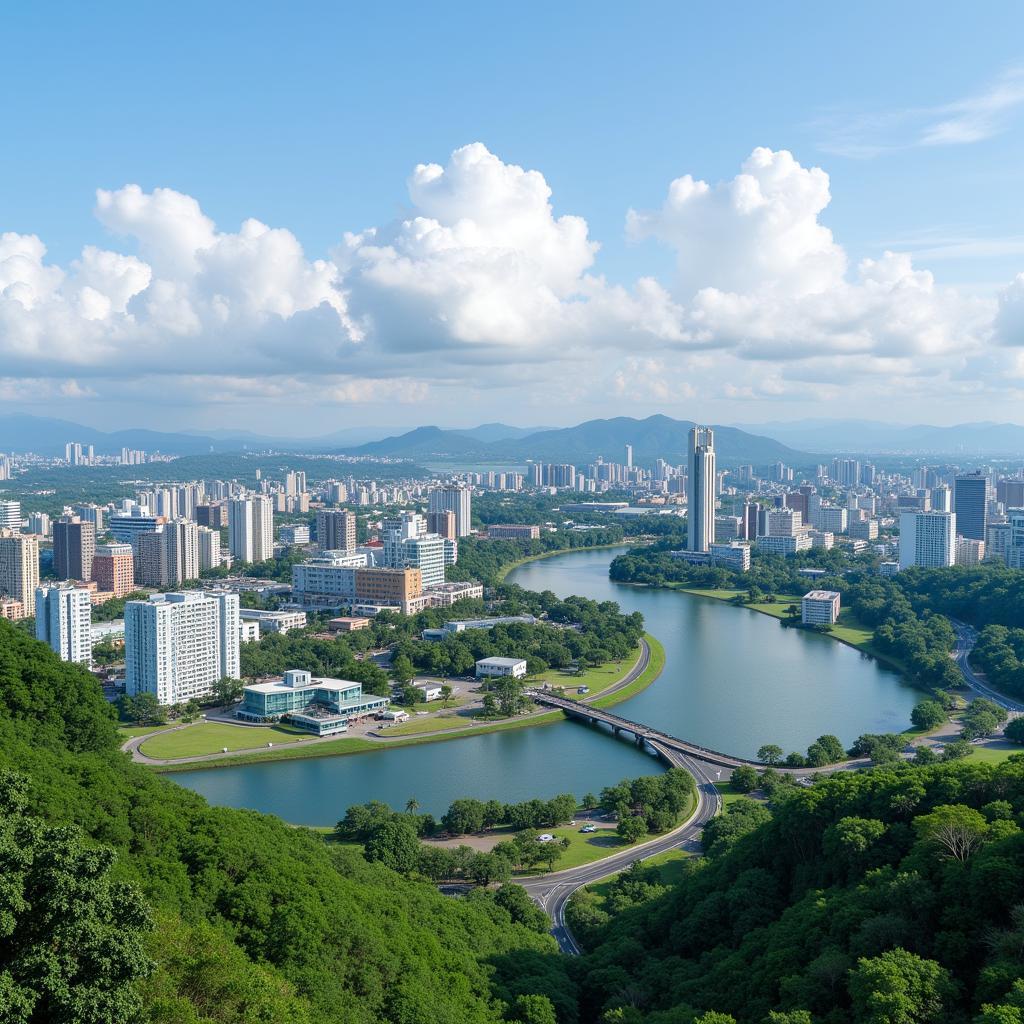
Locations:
column 790, row 239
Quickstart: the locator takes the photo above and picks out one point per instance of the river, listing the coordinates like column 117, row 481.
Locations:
column 733, row 679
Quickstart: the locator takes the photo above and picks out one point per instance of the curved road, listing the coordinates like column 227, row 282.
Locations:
column 552, row 891
column 966, row 638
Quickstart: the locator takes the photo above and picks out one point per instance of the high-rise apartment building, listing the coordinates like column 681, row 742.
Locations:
column 970, row 503
column 927, row 539
column 251, row 528
column 64, row 621
column 211, row 516
column 181, row 538
column 179, row 645
column 151, row 559
column 74, row 545
column 336, row 530
column 1011, row 493
column 454, row 498
column 443, row 524
column 19, row 568
column 941, row 499
column 10, row 515
column 113, row 568
column 209, row 548
column 700, row 490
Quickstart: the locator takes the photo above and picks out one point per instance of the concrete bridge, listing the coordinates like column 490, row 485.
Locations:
column 661, row 742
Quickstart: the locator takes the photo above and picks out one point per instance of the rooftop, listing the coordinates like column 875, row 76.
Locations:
column 503, row 662
column 821, row 595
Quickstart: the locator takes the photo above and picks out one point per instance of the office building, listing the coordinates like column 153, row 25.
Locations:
column 941, row 499
column 734, row 556
column 388, row 586
column 454, row 498
column 151, row 560
column 728, row 528
column 74, row 545
column 496, row 667
column 10, row 515
column 274, row 622
column 89, row 514
column 328, row 579
column 251, row 528
column 336, row 530
column 997, row 541
column 19, row 571
column 126, row 527
column 294, row 535
column 39, row 523
column 700, row 490
column 820, row 608
column 863, row 529
column 511, row 531
column 178, row 646
column 212, row 516
column 64, row 621
column 113, row 568
column 323, row 707
column 927, row 539
column 785, row 544
column 1010, row 493
column 970, row 503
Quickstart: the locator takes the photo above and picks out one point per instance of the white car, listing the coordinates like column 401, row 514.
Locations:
column 589, row 828
column 545, row 837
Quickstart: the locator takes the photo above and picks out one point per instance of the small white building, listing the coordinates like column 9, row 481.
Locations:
column 820, row 608
column 274, row 621
column 514, row 667
column 429, row 690
column 248, row 631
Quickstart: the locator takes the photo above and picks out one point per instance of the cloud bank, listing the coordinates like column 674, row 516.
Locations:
column 484, row 284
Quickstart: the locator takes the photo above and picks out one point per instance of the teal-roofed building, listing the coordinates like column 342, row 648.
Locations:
column 321, row 706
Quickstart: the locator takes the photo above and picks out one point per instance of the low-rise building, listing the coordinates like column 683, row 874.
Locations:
column 513, row 531
column 321, row 706
column 820, row 608
column 248, row 631
column 274, row 621
column 298, row 534
column 429, row 690
column 490, row 667
column 444, row 595
column 785, row 545
column 348, row 623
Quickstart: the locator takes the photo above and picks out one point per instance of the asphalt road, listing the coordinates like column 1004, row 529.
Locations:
column 966, row 638
column 552, row 891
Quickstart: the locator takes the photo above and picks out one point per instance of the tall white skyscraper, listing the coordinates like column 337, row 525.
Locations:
column 454, row 498
column 181, row 539
column 178, row 645
column 251, row 528
column 10, row 515
column 64, row 621
column 927, row 539
column 700, row 490
column 209, row 548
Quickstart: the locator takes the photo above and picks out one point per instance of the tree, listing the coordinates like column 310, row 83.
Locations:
column 632, row 829
column 143, row 708
column 72, row 938
column 402, row 668
column 590, row 801
column 516, row 902
column 412, row 805
column 409, row 696
column 1015, row 730
column 190, row 711
column 226, row 690
column 394, row 844
column 955, row 828
column 928, row 714
column 464, row 816
column 957, row 750
column 899, row 988
column 533, row 1009
column 825, row 750
column 770, row 753
column 446, row 694
column 982, row 718
column 744, row 779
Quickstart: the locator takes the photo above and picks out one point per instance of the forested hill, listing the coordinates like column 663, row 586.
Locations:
column 126, row 899
column 894, row 896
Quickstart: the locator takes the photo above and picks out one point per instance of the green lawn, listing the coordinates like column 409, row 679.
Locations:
column 649, row 674
column 455, row 701
column 598, row 678
column 730, row 795
column 212, row 737
column 993, row 755
column 718, row 595
column 583, row 849
column 435, row 723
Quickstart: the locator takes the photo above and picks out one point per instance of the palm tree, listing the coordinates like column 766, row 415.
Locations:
column 412, row 805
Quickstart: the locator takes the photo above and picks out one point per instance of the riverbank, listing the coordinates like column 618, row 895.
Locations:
column 655, row 663
column 506, row 569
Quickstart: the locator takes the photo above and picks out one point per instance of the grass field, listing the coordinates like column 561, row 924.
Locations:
column 212, row 737
column 599, row 678
column 583, row 849
column 649, row 674
column 435, row 723
column 993, row 755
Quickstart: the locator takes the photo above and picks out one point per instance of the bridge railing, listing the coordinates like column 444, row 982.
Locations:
column 636, row 727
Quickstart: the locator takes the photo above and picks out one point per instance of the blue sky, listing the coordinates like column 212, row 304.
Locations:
column 311, row 118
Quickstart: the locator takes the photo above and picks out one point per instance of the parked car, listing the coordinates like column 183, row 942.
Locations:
column 589, row 828
column 545, row 837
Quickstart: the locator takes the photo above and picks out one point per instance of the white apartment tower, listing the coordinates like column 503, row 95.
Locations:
column 700, row 490
column 178, row 645
column 64, row 621
column 927, row 539
column 251, row 528
column 454, row 498
column 209, row 548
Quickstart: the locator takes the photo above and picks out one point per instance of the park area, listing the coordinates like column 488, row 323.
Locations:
column 212, row 737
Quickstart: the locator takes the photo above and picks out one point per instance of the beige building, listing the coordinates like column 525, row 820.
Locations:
column 19, row 570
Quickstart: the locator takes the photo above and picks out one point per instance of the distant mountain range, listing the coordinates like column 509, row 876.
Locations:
column 47, row 436
column 651, row 438
column 869, row 437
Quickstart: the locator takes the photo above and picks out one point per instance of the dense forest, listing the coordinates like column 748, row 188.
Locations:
column 894, row 896
column 126, row 899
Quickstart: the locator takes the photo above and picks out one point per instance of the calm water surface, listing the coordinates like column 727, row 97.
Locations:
column 733, row 679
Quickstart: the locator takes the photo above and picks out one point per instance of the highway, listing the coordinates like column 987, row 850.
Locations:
column 552, row 891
